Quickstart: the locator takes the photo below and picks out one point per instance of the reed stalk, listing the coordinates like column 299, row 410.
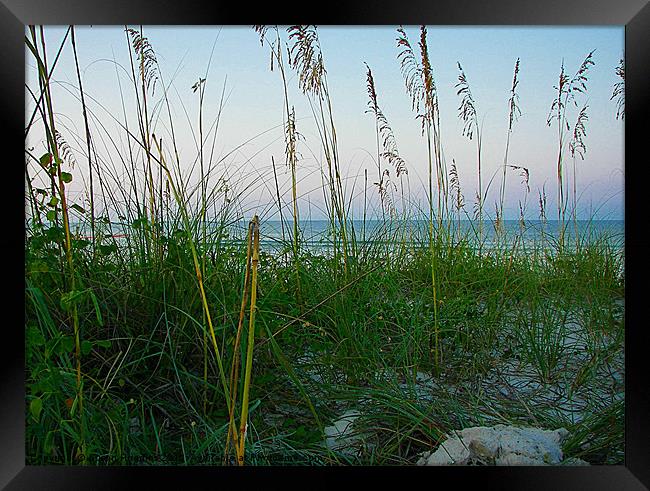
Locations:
column 420, row 85
column 566, row 90
column 469, row 115
column 251, row 340
column 234, row 369
column 306, row 58
column 147, row 77
column 513, row 113
column 619, row 90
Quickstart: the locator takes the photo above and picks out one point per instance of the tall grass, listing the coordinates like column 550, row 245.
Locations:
column 421, row 87
column 567, row 88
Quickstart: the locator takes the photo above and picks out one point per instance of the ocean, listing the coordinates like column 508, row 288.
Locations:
column 316, row 236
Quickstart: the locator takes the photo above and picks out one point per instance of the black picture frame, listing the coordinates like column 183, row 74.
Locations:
column 633, row 14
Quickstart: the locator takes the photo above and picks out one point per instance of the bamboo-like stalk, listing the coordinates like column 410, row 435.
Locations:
column 234, row 369
column 243, row 425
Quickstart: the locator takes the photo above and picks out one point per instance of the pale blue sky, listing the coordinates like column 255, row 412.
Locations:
column 255, row 103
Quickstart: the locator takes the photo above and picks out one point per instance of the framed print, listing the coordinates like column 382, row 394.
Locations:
column 402, row 237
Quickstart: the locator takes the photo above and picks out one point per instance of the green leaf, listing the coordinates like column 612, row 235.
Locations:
column 106, row 267
column 55, row 234
column 70, row 430
column 35, row 407
column 35, row 336
column 53, row 168
column 54, row 201
column 105, row 343
column 71, row 298
column 86, row 347
column 80, row 243
column 66, row 177
column 78, row 208
column 254, row 406
column 301, row 432
column 45, row 159
column 139, row 222
column 51, row 215
column 105, row 250
column 48, row 444
column 65, row 345
column 98, row 312
column 39, row 267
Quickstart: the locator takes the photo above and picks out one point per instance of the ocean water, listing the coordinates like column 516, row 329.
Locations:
column 316, row 235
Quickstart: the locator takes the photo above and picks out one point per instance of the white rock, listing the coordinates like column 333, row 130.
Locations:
column 499, row 445
column 450, row 452
column 424, row 456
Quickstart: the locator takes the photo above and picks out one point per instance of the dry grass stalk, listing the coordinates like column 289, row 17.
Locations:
column 148, row 75
column 525, row 175
column 306, row 58
column 385, row 135
column 88, row 139
column 619, row 90
column 468, row 114
column 577, row 146
column 513, row 113
column 566, row 90
column 251, row 340
column 420, row 85
column 459, row 200
column 234, row 369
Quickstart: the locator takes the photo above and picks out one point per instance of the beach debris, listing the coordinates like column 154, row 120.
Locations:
column 500, row 445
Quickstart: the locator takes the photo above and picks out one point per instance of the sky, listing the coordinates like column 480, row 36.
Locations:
column 250, row 128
